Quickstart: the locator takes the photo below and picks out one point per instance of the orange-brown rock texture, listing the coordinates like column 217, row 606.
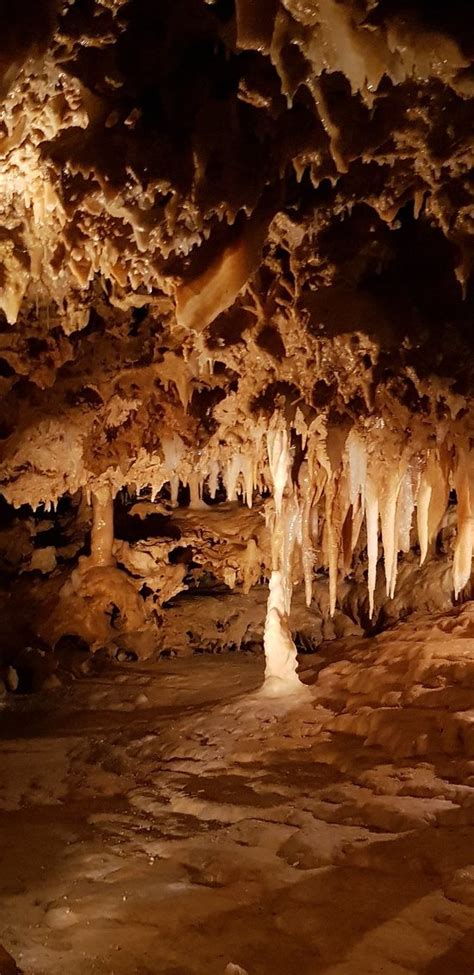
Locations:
column 235, row 269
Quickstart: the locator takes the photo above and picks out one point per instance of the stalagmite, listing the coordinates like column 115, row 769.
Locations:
column 280, row 651
column 195, row 483
column 174, row 489
column 102, row 533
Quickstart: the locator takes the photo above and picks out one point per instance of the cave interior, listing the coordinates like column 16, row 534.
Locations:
column 236, row 487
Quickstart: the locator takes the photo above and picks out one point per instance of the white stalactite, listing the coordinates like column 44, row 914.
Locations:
column 332, row 546
column 372, row 521
column 247, row 468
column 422, row 514
column 232, row 474
column 307, row 545
column 462, row 565
column 405, row 509
column 439, row 494
column 280, row 463
column 369, row 474
column 213, row 480
column 388, row 511
column 357, row 458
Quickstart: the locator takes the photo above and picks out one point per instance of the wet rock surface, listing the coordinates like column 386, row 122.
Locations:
column 169, row 818
column 183, row 315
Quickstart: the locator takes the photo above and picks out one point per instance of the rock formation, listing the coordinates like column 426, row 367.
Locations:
column 236, row 414
column 236, row 305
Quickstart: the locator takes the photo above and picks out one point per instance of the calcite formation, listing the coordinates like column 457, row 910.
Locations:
column 236, row 303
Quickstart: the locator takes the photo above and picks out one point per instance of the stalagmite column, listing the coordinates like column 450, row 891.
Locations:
column 102, row 534
column 280, row 651
column 195, row 491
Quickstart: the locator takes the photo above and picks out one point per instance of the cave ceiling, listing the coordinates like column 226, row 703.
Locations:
column 220, row 219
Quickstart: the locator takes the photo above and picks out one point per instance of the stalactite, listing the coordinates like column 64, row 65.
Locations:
column 372, row 521
column 339, row 514
column 307, row 544
column 279, row 461
column 388, row 511
column 405, row 509
column 357, row 521
column 346, row 541
column 463, row 549
column 251, row 568
column 291, row 538
column 213, row 479
column 438, row 473
column 422, row 514
column 357, row 460
column 231, row 476
column 371, row 474
column 173, row 453
column 247, row 469
column 330, row 547
column 343, row 481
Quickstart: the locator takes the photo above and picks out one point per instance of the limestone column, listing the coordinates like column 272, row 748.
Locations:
column 102, row 534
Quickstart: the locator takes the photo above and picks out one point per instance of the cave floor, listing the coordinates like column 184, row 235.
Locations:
column 164, row 818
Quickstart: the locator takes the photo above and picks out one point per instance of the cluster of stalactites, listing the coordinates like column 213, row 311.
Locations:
column 373, row 478
column 373, row 488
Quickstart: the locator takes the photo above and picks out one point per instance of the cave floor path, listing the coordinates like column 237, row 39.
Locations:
column 164, row 818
